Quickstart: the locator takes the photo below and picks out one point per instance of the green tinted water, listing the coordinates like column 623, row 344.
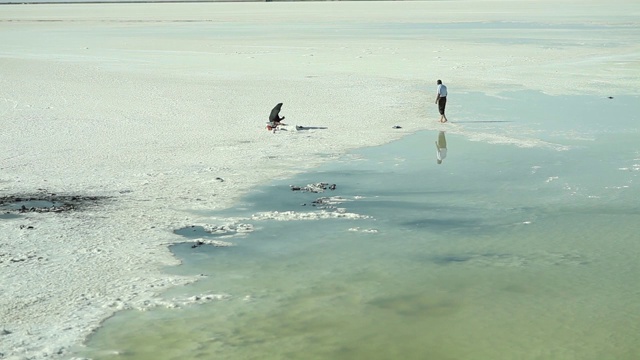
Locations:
column 522, row 244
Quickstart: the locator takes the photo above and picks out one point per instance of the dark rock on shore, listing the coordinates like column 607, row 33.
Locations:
column 315, row 188
column 44, row 202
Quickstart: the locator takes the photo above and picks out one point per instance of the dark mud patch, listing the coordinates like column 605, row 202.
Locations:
column 44, row 202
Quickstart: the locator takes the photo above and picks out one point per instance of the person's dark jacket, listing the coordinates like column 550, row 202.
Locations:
column 275, row 114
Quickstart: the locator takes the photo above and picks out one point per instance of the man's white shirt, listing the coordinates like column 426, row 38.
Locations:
column 442, row 90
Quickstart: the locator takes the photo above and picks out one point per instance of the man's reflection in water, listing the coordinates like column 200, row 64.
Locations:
column 441, row 145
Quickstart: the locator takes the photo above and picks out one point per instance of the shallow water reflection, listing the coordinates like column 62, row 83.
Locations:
column 529, row 256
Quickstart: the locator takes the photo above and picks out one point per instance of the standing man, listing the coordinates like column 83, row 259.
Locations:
column 441, row 100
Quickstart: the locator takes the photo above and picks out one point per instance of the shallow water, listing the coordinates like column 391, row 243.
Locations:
column 522, row 244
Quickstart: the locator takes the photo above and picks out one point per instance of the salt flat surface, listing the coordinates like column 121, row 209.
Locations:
column 160, row 109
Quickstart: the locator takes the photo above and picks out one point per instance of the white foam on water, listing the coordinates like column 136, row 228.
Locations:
column 519, row 142
column 312, row 215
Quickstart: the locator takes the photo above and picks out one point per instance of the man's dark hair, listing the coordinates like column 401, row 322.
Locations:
column 439, row 82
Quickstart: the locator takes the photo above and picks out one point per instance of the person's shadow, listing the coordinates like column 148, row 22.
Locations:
column 298, row 127
column 441, row 147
